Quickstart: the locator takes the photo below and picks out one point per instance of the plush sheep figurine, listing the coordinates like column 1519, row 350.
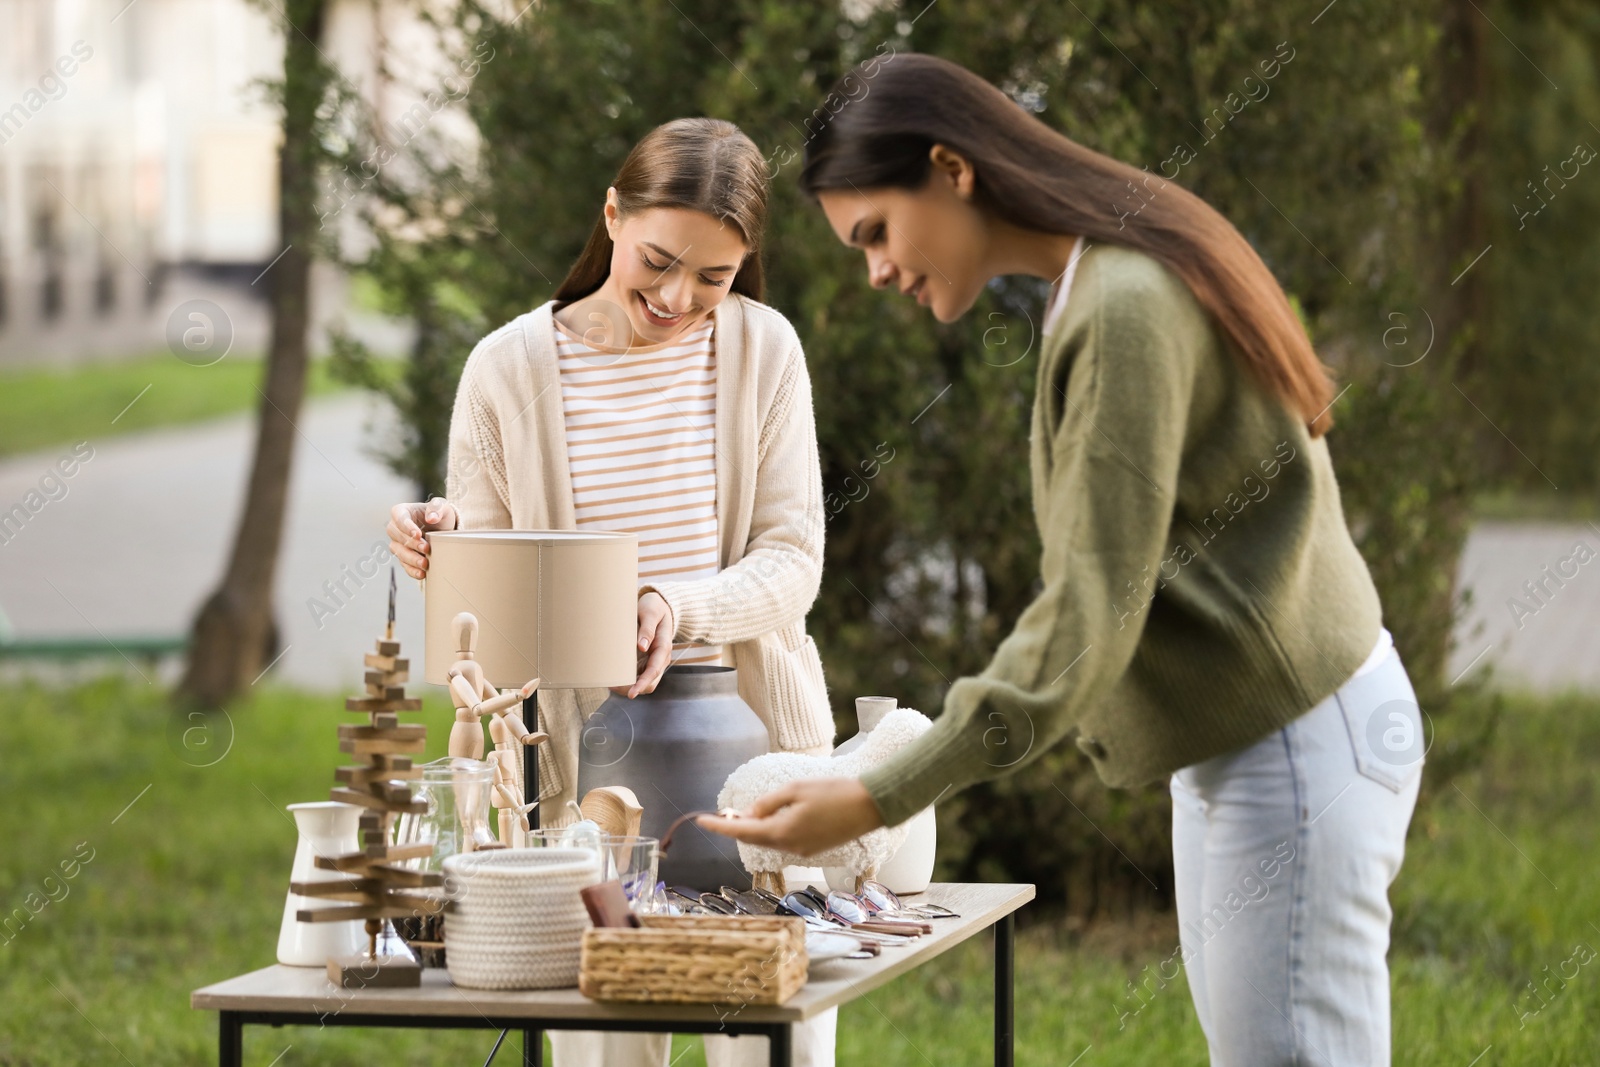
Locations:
column 765, row 773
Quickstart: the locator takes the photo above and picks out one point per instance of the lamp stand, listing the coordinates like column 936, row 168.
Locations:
column 530, row 761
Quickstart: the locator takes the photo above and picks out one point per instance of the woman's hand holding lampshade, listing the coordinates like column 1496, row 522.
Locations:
column 654, row 645
column 408, row 522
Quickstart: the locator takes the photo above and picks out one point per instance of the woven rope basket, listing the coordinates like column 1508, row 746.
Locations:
column 696, row 959
column 516, row 920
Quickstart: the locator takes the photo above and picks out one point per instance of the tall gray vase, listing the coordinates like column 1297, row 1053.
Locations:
column 675, row 748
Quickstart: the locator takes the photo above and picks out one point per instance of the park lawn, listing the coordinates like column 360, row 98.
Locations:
column 49, row 408
column 190, row 849
column 1527, row 505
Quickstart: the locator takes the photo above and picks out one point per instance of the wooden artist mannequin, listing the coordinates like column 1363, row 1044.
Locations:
column 475, row 698
column 506, row 797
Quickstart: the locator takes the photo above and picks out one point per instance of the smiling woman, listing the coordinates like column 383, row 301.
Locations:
column 656, row 395
column 680, row 230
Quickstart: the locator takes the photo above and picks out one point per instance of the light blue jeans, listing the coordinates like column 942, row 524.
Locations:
column 1284, row 852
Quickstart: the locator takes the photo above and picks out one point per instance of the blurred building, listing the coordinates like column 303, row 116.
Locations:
column 138, row 156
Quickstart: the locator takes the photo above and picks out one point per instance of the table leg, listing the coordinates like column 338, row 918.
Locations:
column 1004, row 966
column 230, row 1040
column 779, row 1051
column 532, row 1046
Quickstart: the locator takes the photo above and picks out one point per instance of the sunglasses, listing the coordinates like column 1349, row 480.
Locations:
column 751, row 901
column 816, row 907
column 808, row 904
column 881, row 900
column 854, row 910
column 686, row 901
column 726, row 901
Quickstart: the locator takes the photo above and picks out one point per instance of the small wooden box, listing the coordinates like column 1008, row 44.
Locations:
column 696, row 959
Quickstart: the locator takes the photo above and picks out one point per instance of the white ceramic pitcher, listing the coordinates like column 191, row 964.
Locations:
column 327, row 828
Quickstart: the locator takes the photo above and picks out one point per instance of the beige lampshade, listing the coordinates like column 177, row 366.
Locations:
column 557, row 605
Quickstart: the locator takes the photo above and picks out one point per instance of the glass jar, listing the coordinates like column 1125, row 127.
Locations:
column 457, row 820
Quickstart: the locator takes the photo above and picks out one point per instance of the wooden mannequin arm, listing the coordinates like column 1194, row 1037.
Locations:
column 498, row 705
column 461, row 692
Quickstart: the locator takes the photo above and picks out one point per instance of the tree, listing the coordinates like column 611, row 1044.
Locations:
column 234, row 634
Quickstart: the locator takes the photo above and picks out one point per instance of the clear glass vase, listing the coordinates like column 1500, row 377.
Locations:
column 457, row 820
column 457, row 793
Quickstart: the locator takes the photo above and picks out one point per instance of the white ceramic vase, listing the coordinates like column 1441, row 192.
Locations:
column 327, row 828
column 910, row 869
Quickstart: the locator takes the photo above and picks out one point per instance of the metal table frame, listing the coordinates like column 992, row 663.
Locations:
column 231, row 1024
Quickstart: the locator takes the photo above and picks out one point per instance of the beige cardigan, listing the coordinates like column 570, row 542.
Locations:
column 508, row 470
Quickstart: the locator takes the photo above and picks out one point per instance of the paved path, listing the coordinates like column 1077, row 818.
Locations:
column 1547, row 639
column 141, row 535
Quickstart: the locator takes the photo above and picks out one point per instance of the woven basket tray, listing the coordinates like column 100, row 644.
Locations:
column 696, row 959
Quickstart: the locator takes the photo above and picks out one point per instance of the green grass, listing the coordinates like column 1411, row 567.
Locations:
column 185, row 888
column 1534, row 506
column 48, row 408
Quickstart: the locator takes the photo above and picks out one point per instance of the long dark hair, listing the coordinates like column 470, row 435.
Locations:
column 895, row 110
column 696, row 163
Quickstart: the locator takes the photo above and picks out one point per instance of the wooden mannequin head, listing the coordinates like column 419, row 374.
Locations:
column 465, row 628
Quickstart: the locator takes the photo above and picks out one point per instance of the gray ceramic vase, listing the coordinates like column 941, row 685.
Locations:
column 675, row 748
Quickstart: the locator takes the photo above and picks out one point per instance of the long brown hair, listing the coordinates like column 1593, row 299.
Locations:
column 696, row 163
column 894, row 110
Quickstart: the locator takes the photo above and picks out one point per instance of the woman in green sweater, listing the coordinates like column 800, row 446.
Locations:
column 1205, row 617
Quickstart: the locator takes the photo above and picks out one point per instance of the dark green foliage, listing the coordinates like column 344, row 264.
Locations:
column 423, row 391
column 1541, row 380
column 1348, row 166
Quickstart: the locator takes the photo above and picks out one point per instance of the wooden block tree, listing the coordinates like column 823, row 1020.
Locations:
column 376, row 885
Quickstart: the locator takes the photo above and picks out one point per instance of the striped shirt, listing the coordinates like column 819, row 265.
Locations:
column 641, row 451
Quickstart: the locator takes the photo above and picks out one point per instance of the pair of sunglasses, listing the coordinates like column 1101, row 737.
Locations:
column 881, row 900
column 685, row 901
column 855, row 910
column 808, row 902
column 726, row 901
column 812, row 903
column 753, row 901
column 869, row 935
column 691, row 901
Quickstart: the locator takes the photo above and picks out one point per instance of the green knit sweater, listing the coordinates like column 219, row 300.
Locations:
column 1200, row 586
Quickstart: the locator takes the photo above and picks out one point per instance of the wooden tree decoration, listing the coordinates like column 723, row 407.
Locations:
column 376, row 886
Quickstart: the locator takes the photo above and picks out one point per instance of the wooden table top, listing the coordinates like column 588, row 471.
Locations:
column 306, row 990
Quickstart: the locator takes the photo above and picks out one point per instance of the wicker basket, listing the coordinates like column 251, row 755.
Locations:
column 696, row 959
